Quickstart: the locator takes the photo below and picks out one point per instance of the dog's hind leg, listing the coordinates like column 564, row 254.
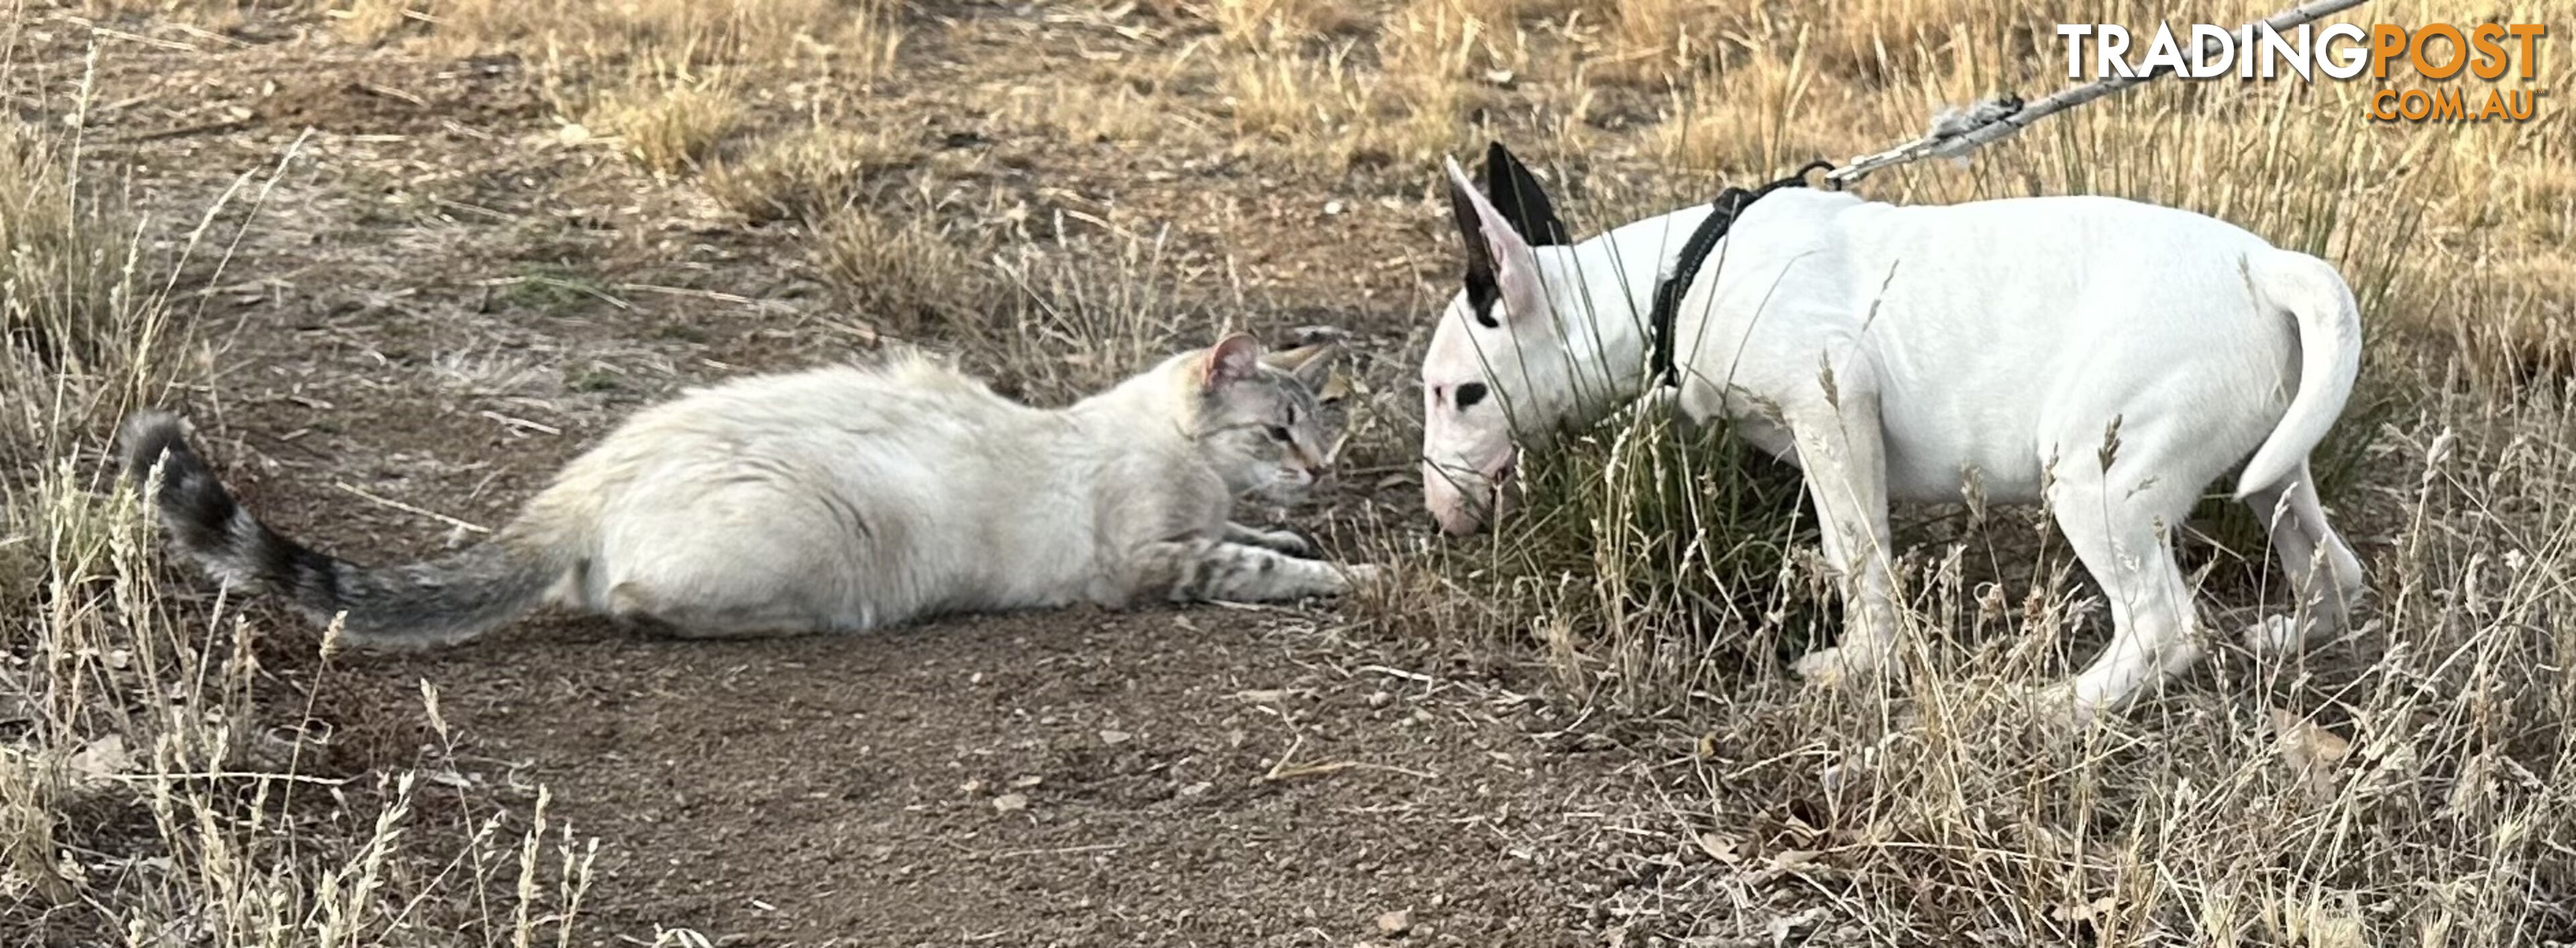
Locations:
column 1842, row 452
column 2119, row 521
column 2306, row 545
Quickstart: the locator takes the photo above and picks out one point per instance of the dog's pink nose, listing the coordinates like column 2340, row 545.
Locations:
column 1464, row 504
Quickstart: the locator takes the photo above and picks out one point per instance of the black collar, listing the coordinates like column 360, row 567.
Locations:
column 1730, row 203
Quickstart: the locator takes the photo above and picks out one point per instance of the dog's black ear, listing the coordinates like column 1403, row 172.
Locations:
column 1517, row 194
column 1482, row 290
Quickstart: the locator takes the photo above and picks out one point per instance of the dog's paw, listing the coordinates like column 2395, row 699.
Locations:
column 2058, row 708
column 2282, row 635
column 1837, row 666
column 2274, row 635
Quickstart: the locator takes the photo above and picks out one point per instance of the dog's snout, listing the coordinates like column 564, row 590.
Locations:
column 1466, row 498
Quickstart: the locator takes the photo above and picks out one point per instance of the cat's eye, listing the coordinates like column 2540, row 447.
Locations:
column 1469, row 394
column 1278, row 433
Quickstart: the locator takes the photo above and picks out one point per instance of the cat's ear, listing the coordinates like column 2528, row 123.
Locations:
column 1233, row 359
column 1310, row 364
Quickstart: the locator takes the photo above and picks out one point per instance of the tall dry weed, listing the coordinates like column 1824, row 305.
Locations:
column 146, row 792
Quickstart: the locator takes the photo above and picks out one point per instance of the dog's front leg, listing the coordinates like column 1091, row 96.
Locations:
column 1842, row 450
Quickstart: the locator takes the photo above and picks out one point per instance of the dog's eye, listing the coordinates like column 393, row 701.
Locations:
column 1278, row 433
column 1469, row 394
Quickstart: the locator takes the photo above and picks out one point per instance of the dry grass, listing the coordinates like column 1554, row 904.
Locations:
column 76, row 308
column 1271, row 25
column 1660, row 41
column 804, row 175
column 1328, row 112
column 204, row 14
column 1287, row 99
column 864, row 34
column 373, row 21
column 901, row 274
column 667, row 123
column 1079, row 314
column 1431, row 55
column 2407, row 786
column 144, row 793
column 1748, row 122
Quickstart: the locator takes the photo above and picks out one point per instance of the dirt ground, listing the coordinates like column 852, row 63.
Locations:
column 433, row 301
column 1160, row 778
column 418, row 271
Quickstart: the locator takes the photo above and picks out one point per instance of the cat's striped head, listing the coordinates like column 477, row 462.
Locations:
column 1260, row 419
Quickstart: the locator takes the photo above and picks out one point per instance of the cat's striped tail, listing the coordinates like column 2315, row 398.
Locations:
column 433, row 602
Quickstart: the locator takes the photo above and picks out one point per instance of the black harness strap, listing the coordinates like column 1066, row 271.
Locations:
column 1730, row 204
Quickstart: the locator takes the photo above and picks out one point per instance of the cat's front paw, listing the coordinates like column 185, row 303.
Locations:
column 1288, row 542
column 1366, row 579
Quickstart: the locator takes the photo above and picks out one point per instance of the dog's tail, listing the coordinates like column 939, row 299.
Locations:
column 434, row 602
column 2313, row 295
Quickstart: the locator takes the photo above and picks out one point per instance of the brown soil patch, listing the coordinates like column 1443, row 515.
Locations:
column 1202, row 777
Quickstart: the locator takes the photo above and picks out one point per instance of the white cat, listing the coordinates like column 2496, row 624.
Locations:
column 839, row 500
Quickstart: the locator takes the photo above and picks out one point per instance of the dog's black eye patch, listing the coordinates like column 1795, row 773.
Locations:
column 1469, row 394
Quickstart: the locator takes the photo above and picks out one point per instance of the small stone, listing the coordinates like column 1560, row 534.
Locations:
column 1011, row 802
column 1115, row 737
column 1396, row 922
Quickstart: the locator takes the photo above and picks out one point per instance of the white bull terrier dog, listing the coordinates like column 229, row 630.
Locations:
column 2106, row 357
